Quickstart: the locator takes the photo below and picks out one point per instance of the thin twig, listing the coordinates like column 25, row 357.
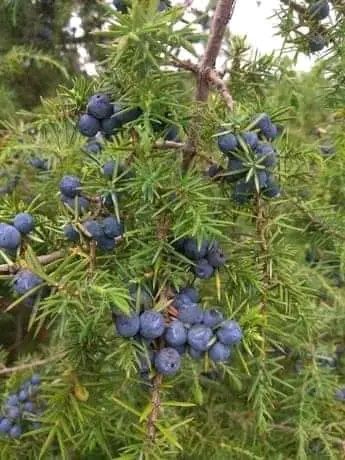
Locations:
column 169, row 145
column 220, row 85
column 185, row 64
column 295, row 6
column 43, row 260
column 22, row 367
column 156, row 406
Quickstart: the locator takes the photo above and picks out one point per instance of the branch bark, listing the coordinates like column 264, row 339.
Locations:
column 44, row 260
column 295, row 6
column 22, row 367
column 156, row 407
column 207, row 74
column 222, row 16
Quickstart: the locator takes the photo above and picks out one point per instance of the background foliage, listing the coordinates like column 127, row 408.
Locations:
column 284, row 279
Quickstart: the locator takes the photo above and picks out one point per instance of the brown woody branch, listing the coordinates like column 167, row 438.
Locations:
column 43, row 260
column 295, row 6
column 206, row 71
column 22, row 367
column 156, row 407
column 220, row 85
column 222, row 16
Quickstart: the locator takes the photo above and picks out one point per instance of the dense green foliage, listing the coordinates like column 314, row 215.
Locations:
column 283, row 281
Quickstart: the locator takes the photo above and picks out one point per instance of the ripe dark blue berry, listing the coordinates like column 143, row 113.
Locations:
column 243, row 191
column 163, row 6
column 230, row 333
column 272, row 189
column 99, row 106
column 213, row 170
column 12, row 400
column 182, row 299
column 327, row 149
column 340, row 394
column 93, row 147
column 219, row 352
column 110, row 125
column 264, row 123
column 94, row 229
column 227, row 143
column 112, row 167
column 5, row 425
column 10, row 238
column 151, row 324
column 267, row 153
column 236, row 169
column 319, row 10
column 190, row 313
column 13, row 412
column 29, row 407
column 71, row 233
column 106, row 244
column 70, row 186
column 39, row 163
column 167, row 361
column 15, row 431
column 24, row 222
column 25, row 280
column 316, row 43
column 216, row 258
column 127, row 115
column 23, row 395
column 199, row 337
column 176, row 334
column 190, row 292
column 194, row 250
column 203, row 269
column 212, row 318
column 127, row 326
column 112, row 227
column 121, row 6
column 250, row 138
column 89, row 125
column 35, row 379
column 172, row 133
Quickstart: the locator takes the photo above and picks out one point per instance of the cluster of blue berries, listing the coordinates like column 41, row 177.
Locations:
column 122, row 5
column 186, row 328
column 21, row 409
column 316, row 12
column 70, row 188
column 261, row 156
column 11, row 235
column 104, row 231
column 104, row 116
column 207, row 256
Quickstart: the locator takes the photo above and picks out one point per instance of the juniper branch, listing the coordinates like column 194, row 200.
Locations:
column 222, row 16
column 295, row 6
column 317, row 222
column 156, row 405
column 37, row 363
column 44, row 260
